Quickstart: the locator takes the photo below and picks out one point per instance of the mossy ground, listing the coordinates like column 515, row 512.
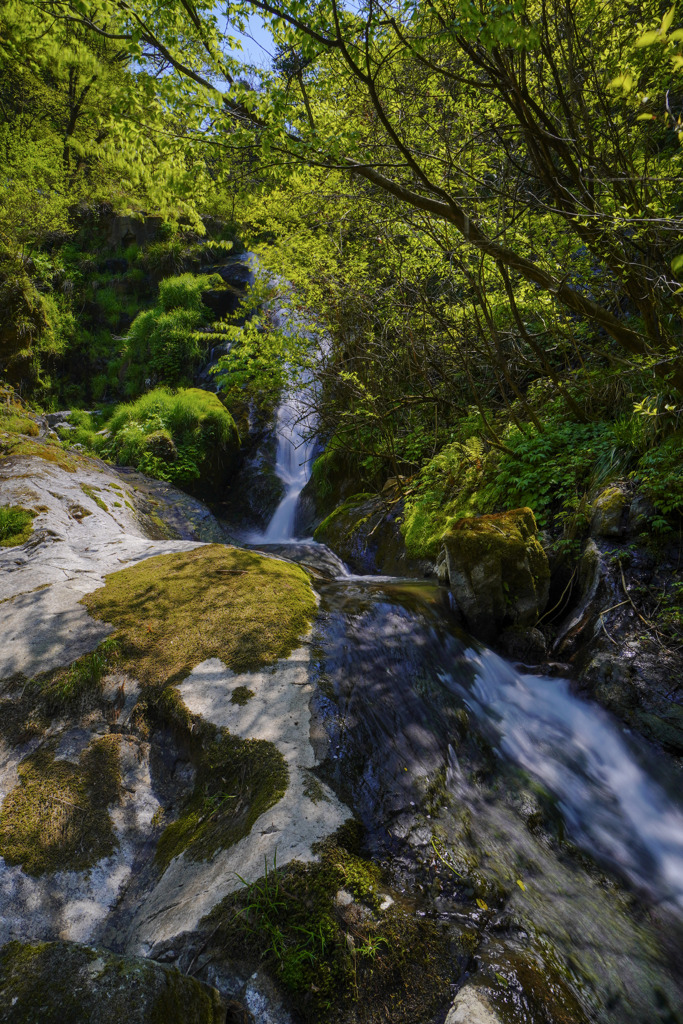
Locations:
column 16, row 525
column 174, row 611
column 27, row 707
column 60, row 982
column 17, row 445
column 91, row 492
column 237, row 780
column 56, row 818
column 338, row 962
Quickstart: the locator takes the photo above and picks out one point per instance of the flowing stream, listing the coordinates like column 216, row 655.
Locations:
column 498, row 800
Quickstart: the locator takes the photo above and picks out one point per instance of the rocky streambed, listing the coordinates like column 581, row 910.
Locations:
column 246, row 785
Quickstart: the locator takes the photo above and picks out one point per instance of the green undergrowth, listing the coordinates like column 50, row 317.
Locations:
column 237, row 780
column 163, row 344
column 174, row 611
column 339, row 961
column 16, row 525
column 57, row 817
column 556, row 472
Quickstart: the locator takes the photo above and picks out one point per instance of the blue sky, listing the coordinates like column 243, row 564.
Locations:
column 257, row 43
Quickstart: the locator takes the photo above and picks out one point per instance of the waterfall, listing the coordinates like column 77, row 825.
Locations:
column 292, row 464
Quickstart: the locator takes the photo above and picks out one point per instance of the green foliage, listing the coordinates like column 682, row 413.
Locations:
column 16, row 525
column 185, row 291
column 163, row 344
column 659, row 474
column 175, row 437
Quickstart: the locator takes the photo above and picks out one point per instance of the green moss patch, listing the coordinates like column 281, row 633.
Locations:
column 339, row 960
column 237, row 780
column 12, row 445
column 91, row 492
column 56, row 818
column 55, row 982
column 241, row 695
column 16, row 525
column 174, row 611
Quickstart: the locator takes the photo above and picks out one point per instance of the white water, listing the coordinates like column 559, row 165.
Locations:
column 574, row 748
column 292, row 465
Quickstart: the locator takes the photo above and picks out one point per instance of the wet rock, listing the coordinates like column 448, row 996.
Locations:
column 56, row 982
column 611, row 681
column 264, row 1002
column 365, row 531
column 471, row 1007
column 524, row 643
column 610, row 512
column 222, row 301
column 498, row 571
column 593, row 592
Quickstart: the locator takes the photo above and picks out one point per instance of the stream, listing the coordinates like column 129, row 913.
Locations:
column 524, row 816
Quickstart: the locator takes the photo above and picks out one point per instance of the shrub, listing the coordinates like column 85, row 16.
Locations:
column 162, row 345
column 176, row 437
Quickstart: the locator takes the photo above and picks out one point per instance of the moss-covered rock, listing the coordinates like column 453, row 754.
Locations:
column 237, row 780
column 57, row 817
column 336, row 945
column 498, row 571
column 609, row 512
column 174, row 611
column 365, row 532
column 188, row 438
column 59, row 982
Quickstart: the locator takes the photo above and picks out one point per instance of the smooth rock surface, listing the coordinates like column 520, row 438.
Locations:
column 309, row 810
column 471, row 1007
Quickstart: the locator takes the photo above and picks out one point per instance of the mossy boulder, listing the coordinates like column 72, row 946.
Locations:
column 187, row 438
column 56, row 982
column 365, row 531
column 498, row 571
column 610, row 512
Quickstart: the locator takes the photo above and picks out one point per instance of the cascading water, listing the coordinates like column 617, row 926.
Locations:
column 397, row 681
column 292, row 466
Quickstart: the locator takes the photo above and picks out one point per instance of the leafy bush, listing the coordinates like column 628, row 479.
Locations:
column 176, row 437
column 185, row 291
column 659, row 474
column 162, row 344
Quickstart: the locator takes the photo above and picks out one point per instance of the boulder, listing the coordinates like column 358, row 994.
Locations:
column 498, row 571
column 610, row 512
column 365, row 531
column 54, row 982
column 471, row 1007
column 222, row 301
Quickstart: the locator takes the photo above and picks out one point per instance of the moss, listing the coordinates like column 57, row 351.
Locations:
column 51, row 451
column 16, row 525
column 174, row 611
column 91, row 492
column 237, row 780
column 241, row 695
column 54, row 982
column 350, row 963
column 56, row 818
column 342, row 518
